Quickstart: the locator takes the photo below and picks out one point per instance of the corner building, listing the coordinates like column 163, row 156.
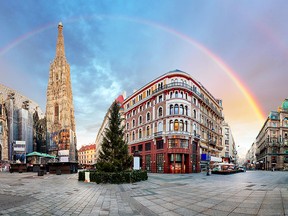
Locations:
column 272, row 141
column 171, row 121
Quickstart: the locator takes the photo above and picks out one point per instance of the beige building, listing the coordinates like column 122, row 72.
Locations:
column 250, row 159
column 87, row 155
column 175, row 123
column 229, row 152
column 59, row 107
column 272, row 141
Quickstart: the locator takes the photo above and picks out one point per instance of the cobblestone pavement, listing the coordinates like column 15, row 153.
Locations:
column 250, row 193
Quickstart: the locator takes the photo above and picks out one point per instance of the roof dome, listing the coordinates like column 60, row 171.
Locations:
column 285, row 104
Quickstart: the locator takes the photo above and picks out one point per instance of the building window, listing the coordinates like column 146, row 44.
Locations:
column 140, row 134
column 160, row 127
column 181, row 125
column 159, row 144
column 140, row 97
column 147, row 146
column 194, row 114
column 127, row 126
column 181, row 94
column 176, row 109
column 186, row 126
column 186, row 110
column 133, row 148
column 171, row 95
column 140, row 120
column 140, row 108
column 171, row 109
column 171, row 125
column 160, row 112
column 56, row 112
column 148, row 104
column 133, row 136
column 160, row 98
column 181, row 109
column 133, row 101
column 148, row 131
column 148, row 92
column 133, row 122
column 140, row 148
column 176, row 94
column 127, row 137
column 176, row 125
column 148, row 116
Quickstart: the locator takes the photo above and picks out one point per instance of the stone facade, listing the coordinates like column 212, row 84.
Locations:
column 59, row 108
column 272, row 141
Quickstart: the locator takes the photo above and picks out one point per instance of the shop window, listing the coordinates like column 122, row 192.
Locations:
column 159, row 144
column 147, row 146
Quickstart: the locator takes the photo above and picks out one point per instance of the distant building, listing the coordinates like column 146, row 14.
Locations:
column 59, row 108
column 229, row 152
column 87, row 155
column 16, row 122
column 104, row 125
column 272, row 141
column 250, row 159
column 174, row 123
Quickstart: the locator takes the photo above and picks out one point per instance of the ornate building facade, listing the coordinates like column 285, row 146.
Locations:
column 171, row 122
column 272, row 141
column 229, row 152
column 59, row 108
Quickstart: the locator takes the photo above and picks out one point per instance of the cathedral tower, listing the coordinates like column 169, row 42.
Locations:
column 59, row 107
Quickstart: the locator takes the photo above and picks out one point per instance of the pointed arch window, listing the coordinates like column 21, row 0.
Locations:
column 176, row 94
column 176, row 109
column 56, row 112
column 181, row 125
column 160, row 112
column 171, row 109
column 176, row 125
column 181, row 109
column 148, row 131
column 171, row 125
column 148, row 116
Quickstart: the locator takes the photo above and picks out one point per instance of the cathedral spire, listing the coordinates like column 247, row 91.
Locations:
column 60, row 50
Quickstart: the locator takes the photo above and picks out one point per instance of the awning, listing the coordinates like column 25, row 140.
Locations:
column 216, row 159
column 40, row 155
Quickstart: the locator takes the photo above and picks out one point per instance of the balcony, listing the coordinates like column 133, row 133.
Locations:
column 197, row 137
column 185, row 133
column 212, row 142
column 158, row 134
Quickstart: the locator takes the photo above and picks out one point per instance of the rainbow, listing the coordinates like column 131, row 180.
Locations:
column 216, row 59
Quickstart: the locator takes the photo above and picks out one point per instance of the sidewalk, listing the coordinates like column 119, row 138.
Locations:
column 250, row 193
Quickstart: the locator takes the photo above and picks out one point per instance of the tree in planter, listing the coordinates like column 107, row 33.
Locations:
column 114, row 156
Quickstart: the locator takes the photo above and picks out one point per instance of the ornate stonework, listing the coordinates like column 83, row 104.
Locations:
column 59, row 107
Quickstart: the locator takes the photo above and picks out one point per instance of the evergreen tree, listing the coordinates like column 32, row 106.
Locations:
column 114, row 156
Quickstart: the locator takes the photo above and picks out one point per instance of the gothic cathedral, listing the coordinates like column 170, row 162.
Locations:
column 59, row 108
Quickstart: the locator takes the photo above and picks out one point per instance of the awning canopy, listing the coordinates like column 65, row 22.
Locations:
column 40, row 155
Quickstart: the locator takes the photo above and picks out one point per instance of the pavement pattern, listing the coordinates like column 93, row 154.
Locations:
column 249, row 193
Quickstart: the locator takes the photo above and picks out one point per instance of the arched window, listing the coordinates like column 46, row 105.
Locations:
column 194, row 114
column 140, row 120
column 160, row 112
column 140, row 133
column 171, row 95
column 171, row 125
column 133, row 136
column 148, row 116
column 148, row 131
column 133, row 122
column 127, row 126
column 176, row 125
column 160, row 127
column 186, row 126
column 176, row 94
column 181, row 93
column 172, row 81
column 171, row 109
column 186, row 110
column 181, row 109
column 176, row 109
column 181, row 126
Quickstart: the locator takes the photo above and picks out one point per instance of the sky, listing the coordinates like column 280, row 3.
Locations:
column 237, row 49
